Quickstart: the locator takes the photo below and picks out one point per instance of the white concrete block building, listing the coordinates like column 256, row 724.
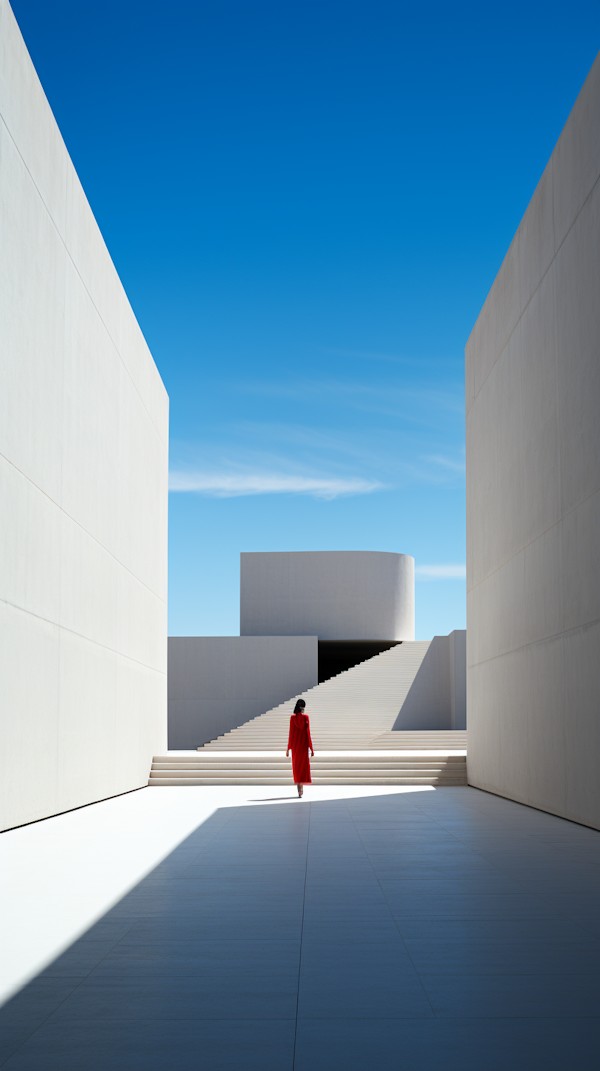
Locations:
column 83, row 484
column 304, row 616
column 324, row 614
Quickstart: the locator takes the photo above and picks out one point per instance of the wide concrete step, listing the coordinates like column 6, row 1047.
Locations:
column 351, row 777
column 336, row 768
column 266, row 781
column 325, row 771
column 285, row 764
column 204, row 758
column 336, row 742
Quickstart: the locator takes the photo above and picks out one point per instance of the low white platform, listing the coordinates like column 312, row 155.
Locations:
column 365, row 753
column 369, row 767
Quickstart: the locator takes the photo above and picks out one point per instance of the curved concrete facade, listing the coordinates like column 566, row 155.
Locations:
column 335, row 595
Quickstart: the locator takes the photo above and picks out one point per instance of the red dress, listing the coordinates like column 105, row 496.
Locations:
column 298, row 743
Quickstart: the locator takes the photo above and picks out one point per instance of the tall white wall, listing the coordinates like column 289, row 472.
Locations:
column 83, row 484
column 533, row 494
column 218, row 682
column 436, row 695
column 337, row 595
column 457, row 665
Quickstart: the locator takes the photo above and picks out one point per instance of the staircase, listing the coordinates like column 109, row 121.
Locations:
column 351, row 717
column 338, row 768
column 355, row 710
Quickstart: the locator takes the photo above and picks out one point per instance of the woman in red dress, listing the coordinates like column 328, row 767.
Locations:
column 299, row 742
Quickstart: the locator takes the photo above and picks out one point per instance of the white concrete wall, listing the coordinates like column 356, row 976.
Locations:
column 533, row 494
column 436, row 698
column 337, row 595
column 83, row 484
column 218, row 682
column 457, row 662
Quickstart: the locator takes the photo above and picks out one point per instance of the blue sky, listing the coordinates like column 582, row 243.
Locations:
column 307, row 204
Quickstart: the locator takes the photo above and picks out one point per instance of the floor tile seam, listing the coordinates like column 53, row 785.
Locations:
column 237, row 940
column 322, row 1018
column 273, row 1019
column 213, row 917
column 272, row 868
column 189, row 893
column 96, row 965
column 198, row 974
column 449, row 833
column 44, row 1022
column 480, row 854
column 449, row 892
column 175, row 1019
column 545, row 973
column 205, row 983
column 248, row 866
column 585, row 929
column 81, row 980
column 107, row 953
column 448, row 1018
column 214, row 836
column 301, row 935
column 481, row 918
column 541, row 897
column 357, row 911
column 201, row 966
column 425, row 993
column 517, row 942
column 506, row 942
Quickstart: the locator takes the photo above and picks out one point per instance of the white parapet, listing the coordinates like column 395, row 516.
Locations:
column 336, row 595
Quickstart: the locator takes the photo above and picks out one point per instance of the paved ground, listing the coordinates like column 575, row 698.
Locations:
column 364, row 929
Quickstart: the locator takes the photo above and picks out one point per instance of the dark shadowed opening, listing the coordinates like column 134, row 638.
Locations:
column 335, row 656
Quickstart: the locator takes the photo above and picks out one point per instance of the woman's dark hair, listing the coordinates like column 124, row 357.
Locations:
column 300, row 705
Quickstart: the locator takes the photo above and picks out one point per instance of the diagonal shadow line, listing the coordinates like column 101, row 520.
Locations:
column 10, row 1005
column 40, row 1001
column 202, row 893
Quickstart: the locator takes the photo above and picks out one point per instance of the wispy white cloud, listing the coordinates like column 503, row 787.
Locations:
column 415, row 403
column 365, row 355
column 375, row 457
column 362, row 355
column 441, row 572
column 229, row 485
column 446, row 462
